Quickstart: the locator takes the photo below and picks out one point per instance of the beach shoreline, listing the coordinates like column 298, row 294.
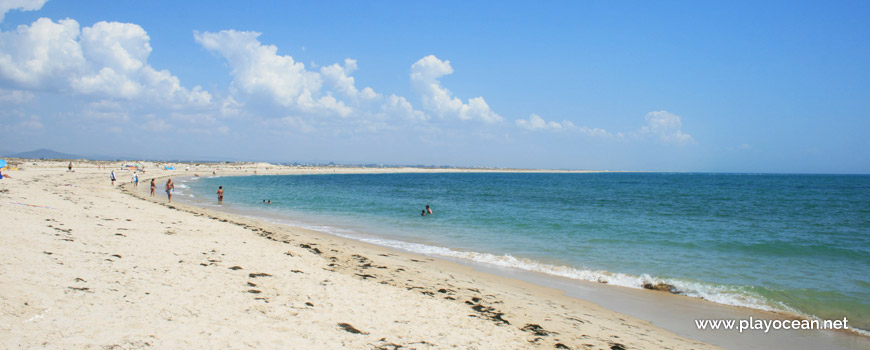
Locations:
column 652, row 306
column 522, row 313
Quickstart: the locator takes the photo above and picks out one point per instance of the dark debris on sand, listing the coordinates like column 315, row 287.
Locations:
column 536, row 330
column 350, row 329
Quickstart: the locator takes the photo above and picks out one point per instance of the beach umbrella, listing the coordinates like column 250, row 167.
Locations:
column 2, row 163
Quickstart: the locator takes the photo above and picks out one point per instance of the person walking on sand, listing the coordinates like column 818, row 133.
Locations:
column 70, row 166
column 113, row 177
column 220, row 194
column 135, row 180
column 153, row 187
column 169, row 187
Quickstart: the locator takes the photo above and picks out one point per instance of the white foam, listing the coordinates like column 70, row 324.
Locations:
column 721, row 294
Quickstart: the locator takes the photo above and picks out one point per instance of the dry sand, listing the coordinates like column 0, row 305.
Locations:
column 84, row 264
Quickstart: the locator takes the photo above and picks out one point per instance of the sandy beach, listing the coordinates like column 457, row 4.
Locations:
column 89, row 265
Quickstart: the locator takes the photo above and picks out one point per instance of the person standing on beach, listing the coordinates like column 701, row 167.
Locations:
column 135, row 180
column 113, row 177
column 169, row 187
column 153, row 187
column 70, row 166
column 220, row 194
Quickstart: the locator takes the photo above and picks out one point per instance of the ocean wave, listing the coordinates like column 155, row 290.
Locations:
column 722, row 294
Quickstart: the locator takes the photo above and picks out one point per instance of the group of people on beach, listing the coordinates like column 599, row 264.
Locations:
column 170, row 186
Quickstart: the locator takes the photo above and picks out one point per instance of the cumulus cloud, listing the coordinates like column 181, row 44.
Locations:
column 339, row 78
column 258, row 70
column 22, row 5
column 425, row 74
column 306, row 94
column 537, row 123
column 665, row 126
column 399, row 106
column 106, row 60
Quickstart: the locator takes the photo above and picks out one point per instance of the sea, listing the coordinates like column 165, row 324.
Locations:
column 797, row 244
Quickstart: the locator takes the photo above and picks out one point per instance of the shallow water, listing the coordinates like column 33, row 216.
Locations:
column 791, row 243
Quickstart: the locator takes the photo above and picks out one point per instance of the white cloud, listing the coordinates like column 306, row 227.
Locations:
column 425, row 74
column 22, row 5
column 307, row 94
column 339, row 78
column 258, row 70
column 15, row 97
column 536, row 123
column 400, row 107
column 106, row 60
column 666, row 126
column 661, row 125
column 42, row 55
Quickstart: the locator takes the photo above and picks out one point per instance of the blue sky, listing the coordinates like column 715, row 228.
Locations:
column 683, row 86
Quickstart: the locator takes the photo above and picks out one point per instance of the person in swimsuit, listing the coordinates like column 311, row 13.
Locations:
column 220, row 194
column 169, row 187
column 153, row 186
column 429, row 210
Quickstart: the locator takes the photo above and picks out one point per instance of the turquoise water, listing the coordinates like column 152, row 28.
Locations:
column 792, row 243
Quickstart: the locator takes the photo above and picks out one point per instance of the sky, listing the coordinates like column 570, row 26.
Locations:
column 736, row 86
